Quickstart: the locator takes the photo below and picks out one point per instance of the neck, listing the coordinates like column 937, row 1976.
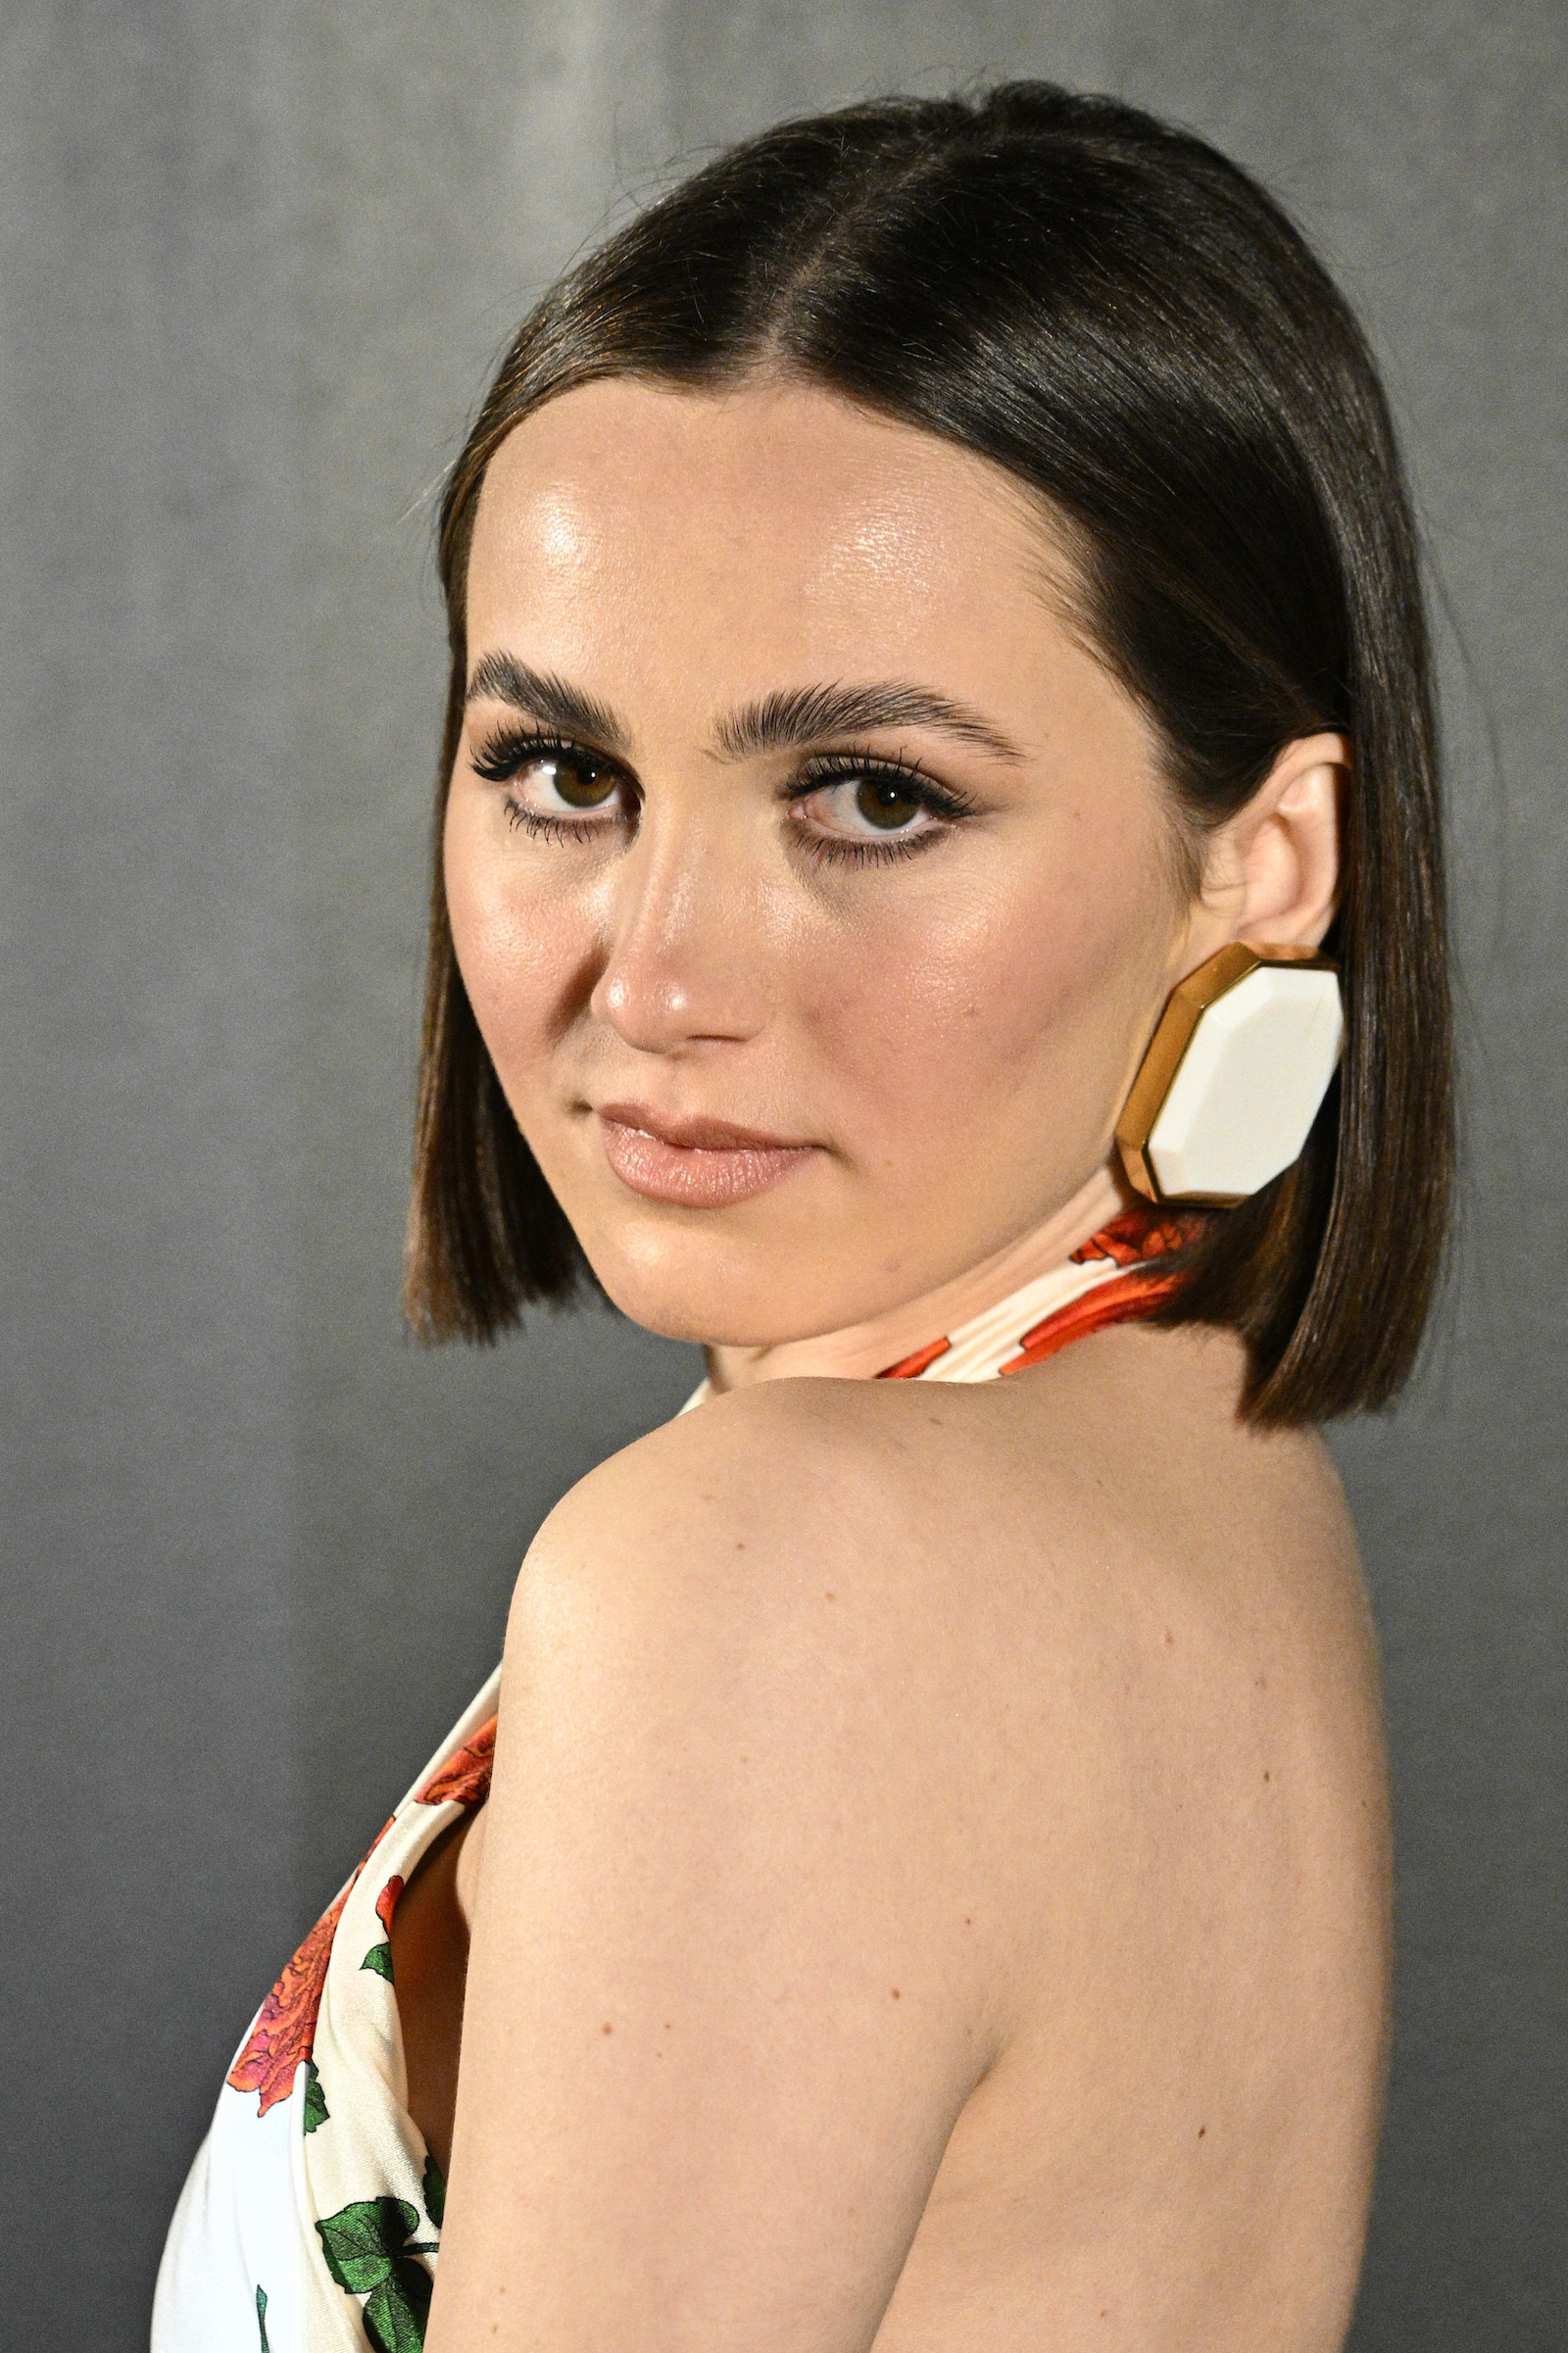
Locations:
column 861, row 1350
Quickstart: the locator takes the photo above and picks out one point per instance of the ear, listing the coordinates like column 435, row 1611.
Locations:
column 1271, row 873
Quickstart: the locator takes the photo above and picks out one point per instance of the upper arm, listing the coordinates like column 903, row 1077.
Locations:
column 726, row 1996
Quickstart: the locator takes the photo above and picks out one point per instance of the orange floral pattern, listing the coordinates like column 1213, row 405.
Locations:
column 285, row 2031
column 465, row 1775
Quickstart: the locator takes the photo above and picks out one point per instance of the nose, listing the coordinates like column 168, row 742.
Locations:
column 684, row 948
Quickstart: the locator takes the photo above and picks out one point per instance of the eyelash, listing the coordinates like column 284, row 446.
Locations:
column 838, row 768
column 499, row 761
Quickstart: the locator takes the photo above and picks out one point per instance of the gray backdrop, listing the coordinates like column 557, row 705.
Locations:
column 257, row 259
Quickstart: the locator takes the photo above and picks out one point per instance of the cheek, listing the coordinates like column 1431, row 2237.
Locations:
column 524, row 964
column 1000, row 1006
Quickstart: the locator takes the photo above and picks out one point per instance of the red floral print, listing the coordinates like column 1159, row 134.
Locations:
column 465, row 1775
column 284, row 2033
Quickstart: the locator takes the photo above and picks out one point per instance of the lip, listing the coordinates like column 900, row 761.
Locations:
column 697, row 1163
column 696, row 1135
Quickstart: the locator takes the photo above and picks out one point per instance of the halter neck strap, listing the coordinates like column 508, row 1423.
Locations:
column 1127, row 1270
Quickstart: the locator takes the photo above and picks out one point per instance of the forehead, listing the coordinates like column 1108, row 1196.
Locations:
column 772, row 524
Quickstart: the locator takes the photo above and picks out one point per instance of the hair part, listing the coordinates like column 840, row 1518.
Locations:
column 1128, row 325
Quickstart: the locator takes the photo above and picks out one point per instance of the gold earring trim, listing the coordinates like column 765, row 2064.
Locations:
column 1166, row 1050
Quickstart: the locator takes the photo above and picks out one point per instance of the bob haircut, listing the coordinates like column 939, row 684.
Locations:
column 1120, row 317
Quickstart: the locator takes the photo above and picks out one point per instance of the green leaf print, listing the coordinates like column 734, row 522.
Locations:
column 366, row 2251
column 362, row 2241
column 261, row 2318
column 395, row 2316
column 380, row 1958
column 435, row 2192
column 317, row 2111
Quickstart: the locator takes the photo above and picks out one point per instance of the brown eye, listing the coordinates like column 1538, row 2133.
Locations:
column 871, row 804
column 887, row 801
column 577, row 782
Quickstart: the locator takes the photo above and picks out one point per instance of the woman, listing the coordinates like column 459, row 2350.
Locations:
column 939, row 724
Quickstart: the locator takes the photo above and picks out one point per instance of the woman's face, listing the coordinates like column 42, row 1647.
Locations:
column 810, row 883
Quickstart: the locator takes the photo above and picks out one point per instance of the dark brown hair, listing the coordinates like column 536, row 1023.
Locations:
column 1120, row 317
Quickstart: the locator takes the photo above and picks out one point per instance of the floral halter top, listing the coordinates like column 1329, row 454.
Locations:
column 311, row 2220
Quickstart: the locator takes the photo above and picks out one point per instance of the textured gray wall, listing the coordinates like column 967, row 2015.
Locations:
column 256, row 258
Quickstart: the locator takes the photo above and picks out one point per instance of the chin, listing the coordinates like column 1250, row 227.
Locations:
column 705, row 1289
column 680, row 1303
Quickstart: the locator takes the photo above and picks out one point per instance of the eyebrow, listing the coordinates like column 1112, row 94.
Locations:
column 786, row 721
column 554, row 701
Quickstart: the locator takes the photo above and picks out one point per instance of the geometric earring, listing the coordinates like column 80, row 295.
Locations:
column 1234, row 1076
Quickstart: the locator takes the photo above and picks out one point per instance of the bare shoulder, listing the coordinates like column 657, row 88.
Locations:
column 794, row 1550
column 1110, row 1487
column 1044, row 1712
column 914, row 1537
column 754, row 1494
column 1089, row 1578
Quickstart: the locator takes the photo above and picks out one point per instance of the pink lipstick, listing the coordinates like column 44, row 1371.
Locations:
column 698, row 1164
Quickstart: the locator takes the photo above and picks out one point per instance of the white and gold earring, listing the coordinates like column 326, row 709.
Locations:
column 1234, row 1076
